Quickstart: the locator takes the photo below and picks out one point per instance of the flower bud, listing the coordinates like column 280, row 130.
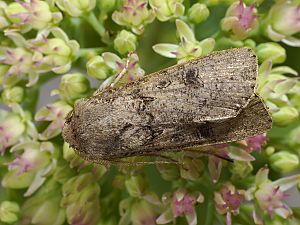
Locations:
column 70, row 155
column 14, row 9
column 20, row 62
column 9, row 212
column 106, row 5
column 125, row 42
column 53, row 54
column 198, row 13
column 192, row 168
column 142, row 213
column 167, row 9
column 97, row 68
column 73, row 86
column 284, row 161
column 56, row 113
column 135, row 186
column 3, row 20
column 11, row 129
column 81, row 199
column 271, row 51
column 12, row 95
column 134, row 15
column 241, row 169
column 283, row 22
column 32, row 14
column 285, row 115
column 76, row 7
column 43, row 207
column 14, row 180
column 294, row 137
column 35, row 156
column 168, row 171
column 3, row 71
column 239, row 20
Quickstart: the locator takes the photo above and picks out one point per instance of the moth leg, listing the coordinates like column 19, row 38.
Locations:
column 209, row 153
column 123, row 71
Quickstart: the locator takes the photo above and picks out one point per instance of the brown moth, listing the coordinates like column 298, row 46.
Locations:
column 205, row 101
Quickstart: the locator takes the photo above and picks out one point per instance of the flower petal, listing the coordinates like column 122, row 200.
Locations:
column 184, row 31
column 287, row 182
column 167, row 50
column 165, row 217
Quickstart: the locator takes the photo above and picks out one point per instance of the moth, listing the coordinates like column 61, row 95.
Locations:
column 205, row 101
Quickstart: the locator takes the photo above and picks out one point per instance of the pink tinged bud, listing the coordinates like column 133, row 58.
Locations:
column 134, row 15
column 11, row 129
column 255, row 143
column 285, row 18
column 228, row 199
column 183, row 203
column 55, row 113
column 270, row 197
column 142, row 213
column 31, row 160
column 239, row 20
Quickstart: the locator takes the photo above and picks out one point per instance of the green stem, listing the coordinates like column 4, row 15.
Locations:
column 209, row 214
column 86, row 51
column 95, row 23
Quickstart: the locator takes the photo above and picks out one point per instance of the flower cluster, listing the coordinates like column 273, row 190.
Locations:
column 55, row 52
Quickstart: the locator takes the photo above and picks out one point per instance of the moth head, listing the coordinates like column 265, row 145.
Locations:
column 68, row 129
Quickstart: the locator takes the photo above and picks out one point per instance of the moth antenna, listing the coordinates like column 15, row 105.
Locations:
column 169, row 160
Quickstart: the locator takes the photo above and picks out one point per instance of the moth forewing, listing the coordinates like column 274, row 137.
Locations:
column 204, row 101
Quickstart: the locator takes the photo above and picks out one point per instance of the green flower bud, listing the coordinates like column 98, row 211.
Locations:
column 3, row 71
column 241, row 169
column 134, row 15
column 136, row 186
column 81, row 199
column 43, row 208
column 198, row 13
column 294, row 137
column 269, row 150
column 17, row 181
column 56, row 113
column 9, row 212
column 97, row 68
column 14, row 9
column 284, row 161
column 73, row 86
column 271, row 51
column 192, row 168
column 167, row 9
column 168, row 171
column 282, row 23
column 12, row 95
column 70, row 155
column 285, row 115
column 106, row 5
column 142, row 213
column 125, row 42
column 12, row 128
column 76, row 7
column 3, row 19
column 54, row 54
column 33, row 14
